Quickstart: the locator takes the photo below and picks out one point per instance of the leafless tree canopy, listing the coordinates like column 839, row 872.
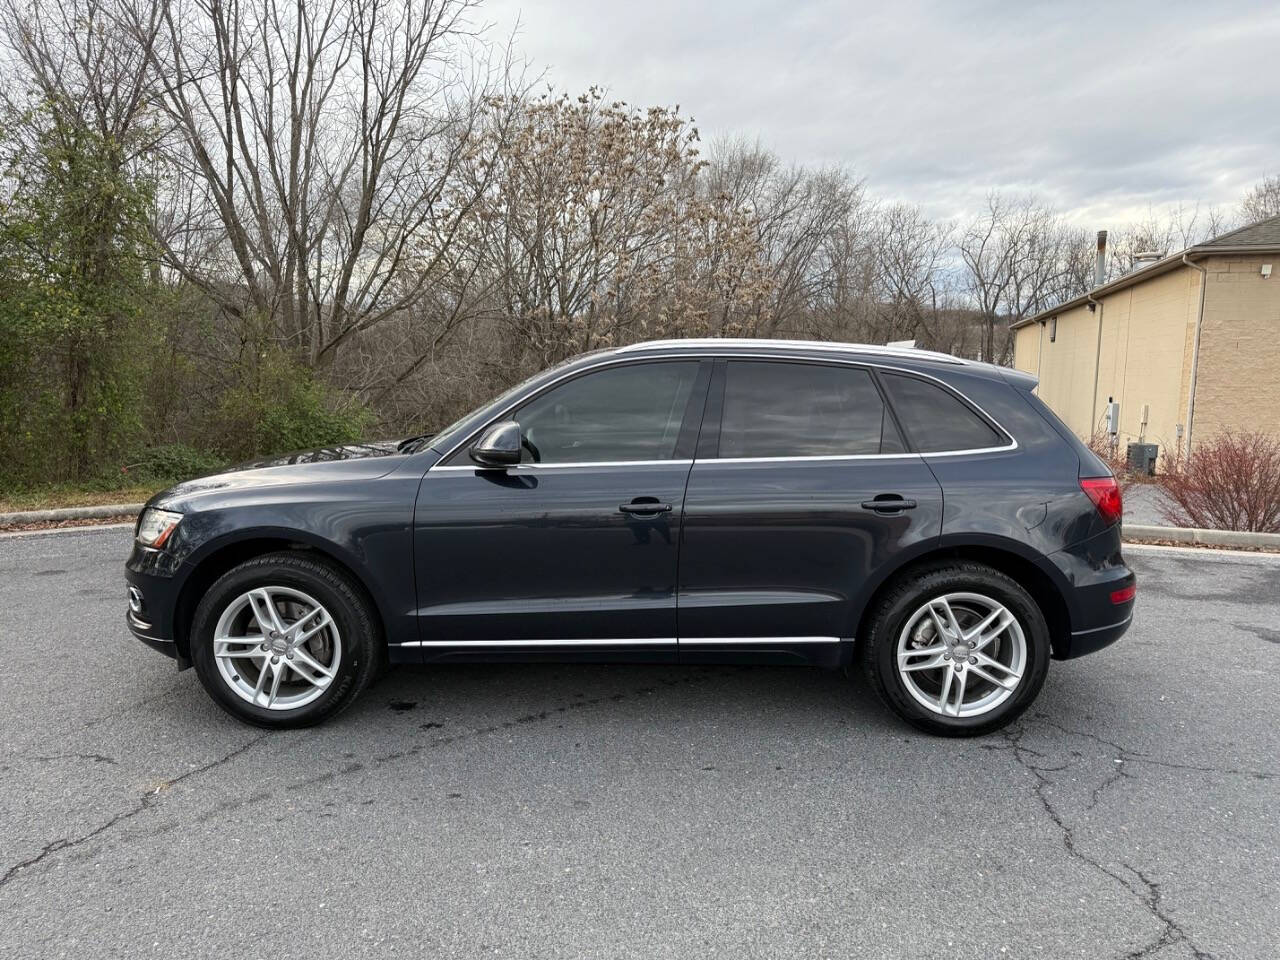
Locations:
column 316, row 149
column 370, row 193
column 1262, row 201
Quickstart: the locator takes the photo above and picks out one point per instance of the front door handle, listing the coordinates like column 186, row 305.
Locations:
column 645, row 507
column 886, row 503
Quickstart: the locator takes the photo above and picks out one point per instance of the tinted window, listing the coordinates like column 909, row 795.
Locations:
column 935, row 419
column 802, row 410
column 621, row 413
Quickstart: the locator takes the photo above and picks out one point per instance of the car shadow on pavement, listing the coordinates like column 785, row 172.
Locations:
column 515, row 694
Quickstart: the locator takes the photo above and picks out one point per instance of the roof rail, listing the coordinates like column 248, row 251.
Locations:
column 832, row 346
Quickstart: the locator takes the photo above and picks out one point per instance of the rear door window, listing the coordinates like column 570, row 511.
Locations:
column 774, row 409
column 935, row 419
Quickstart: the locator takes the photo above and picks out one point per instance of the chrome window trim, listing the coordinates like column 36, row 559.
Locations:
column 812, row 459
column 1012, row 445
column 618, row 357
column 535, row 467
column 859, row 456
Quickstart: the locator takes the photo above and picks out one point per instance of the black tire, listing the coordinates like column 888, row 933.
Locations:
column 891, row 613
column 362, row 650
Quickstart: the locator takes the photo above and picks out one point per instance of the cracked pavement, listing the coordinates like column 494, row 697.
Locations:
column 592, row 811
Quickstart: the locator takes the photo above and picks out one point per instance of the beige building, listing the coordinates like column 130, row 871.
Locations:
column 1187, row 345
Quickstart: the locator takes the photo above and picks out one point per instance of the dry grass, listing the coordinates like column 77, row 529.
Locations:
column 49, row 498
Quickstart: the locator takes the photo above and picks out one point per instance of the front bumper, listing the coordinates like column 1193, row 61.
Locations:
column 153, row 588
column 146, row 633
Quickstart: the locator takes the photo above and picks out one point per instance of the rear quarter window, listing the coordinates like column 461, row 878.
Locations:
column 935, row 419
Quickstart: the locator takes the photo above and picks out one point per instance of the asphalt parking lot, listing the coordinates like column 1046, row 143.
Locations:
column 600, row 811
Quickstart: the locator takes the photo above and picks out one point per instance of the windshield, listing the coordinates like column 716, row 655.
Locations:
column 441, row 440
column 502, row 397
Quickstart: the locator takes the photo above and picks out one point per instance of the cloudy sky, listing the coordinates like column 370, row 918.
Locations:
column 1107, row 109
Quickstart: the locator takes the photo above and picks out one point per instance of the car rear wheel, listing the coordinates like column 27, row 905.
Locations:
column 284, row 640
column 958, row 649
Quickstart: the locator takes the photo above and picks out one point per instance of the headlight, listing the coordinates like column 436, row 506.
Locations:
column 156, row 526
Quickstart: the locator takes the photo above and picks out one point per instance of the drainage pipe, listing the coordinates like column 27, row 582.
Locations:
column 1195, row 355
column 1097, row 365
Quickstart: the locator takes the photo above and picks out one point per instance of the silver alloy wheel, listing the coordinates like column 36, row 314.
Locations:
column 961, row 654
column 277, row 647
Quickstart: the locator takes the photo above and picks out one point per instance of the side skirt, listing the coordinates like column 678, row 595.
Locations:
column 800, row 651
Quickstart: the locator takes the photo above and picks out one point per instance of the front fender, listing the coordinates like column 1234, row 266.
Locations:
column 364, row 526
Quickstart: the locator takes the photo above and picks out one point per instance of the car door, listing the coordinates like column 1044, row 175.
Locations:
column 802, row 487
column 574, row 549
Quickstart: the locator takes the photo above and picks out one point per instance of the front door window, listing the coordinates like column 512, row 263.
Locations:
column 623, row 413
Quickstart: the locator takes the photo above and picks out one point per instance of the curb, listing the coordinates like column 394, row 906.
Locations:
column 1208, row 538
column 70, row 513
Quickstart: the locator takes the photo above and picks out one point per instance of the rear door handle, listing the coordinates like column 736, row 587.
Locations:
column 643, row 507
column 888, row 504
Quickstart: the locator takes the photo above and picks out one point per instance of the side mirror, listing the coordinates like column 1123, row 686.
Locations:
column 499, row 446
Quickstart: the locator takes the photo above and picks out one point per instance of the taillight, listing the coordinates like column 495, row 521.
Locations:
column 1124, row 594
column 1105, row 494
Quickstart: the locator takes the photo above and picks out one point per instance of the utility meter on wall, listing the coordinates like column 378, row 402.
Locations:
column 1113, row 417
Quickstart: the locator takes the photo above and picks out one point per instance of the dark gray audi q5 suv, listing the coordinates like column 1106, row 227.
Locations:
column 691, row 501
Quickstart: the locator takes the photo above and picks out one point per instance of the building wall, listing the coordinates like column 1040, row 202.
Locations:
column 1026, row 347
column 1067, row 368
column 1148, row 332
column 1238, row 384
column 1141, row 357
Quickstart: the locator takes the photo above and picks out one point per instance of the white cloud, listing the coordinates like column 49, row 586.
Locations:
column 1105, row 108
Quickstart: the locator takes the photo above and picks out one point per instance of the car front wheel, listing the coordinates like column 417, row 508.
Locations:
column 284, row 640
column 958, row 649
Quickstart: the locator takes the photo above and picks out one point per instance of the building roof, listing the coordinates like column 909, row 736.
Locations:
column 1264, row 233
column 1260, row 237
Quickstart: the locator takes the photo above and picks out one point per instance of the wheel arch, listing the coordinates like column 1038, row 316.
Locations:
column 214, row 559
column 1006, row 556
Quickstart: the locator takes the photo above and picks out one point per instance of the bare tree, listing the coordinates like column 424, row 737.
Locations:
column 1262, row 201
column 1020, row 259
column 797, row 213
column 596, row 231
column 909, row 254
column 84, row 67
column 1079, row 263
column 319, row 143
column 988, row 247
column 1163, row 232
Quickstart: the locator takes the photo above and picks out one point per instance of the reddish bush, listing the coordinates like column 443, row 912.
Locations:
column 1231, row 482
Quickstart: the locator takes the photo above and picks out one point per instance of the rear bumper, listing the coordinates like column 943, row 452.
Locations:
column 1095, row 571
column 1089, row 641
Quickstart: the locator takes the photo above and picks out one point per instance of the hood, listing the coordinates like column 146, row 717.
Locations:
column 365, row 461
column 351, row 451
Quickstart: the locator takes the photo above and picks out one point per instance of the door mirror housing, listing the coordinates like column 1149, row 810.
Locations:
column 499, row 446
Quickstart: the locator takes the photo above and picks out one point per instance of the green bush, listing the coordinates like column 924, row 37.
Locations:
column 171, row 463
column 284, row 408
column 75, row 248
